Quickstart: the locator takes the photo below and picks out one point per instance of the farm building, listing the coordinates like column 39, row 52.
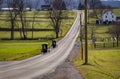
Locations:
column 108, row 17
column 45, row 7
column 12, row 9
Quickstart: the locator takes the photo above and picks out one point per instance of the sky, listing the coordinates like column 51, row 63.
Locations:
column 110, row 0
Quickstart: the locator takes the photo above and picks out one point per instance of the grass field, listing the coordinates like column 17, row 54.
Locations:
column 103, row 64
column 65, row 26
column 19, row 50
column 101, row 31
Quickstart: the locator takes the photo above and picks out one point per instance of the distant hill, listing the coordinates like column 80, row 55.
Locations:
column 112, row 3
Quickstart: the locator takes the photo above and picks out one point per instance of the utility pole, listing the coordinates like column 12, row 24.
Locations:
column 86, row 42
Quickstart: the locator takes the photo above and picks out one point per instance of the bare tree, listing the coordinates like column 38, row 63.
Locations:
column 22, row 15
column 92, row 31
column 1, row 1
column 35, row 14
column 29, row 4
column 115, row 31
column 97, row 6
column 93, row 38
column 17, row 8
column 56, row 14
column 12, row 5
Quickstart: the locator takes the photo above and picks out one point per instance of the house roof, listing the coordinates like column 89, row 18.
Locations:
column 108, row 11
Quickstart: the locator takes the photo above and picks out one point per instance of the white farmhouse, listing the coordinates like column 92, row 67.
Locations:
column 109, row 17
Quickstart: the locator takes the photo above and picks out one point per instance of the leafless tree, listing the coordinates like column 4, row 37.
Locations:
column 17, row 9
column 93, row 38
column 22, row 15
column 68, row 3
column 1, row 1
column 97, row 6
column 29, row 4
column 102, row 8
column 12, row 5
column 35, row 14
column 92, row 31
column 115, row 31
column 56, row 14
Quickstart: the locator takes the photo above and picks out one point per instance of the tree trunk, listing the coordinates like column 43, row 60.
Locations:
column 32, row 32
column 23, row 27
column 12, row 31
column 81, row 50
column 57, row 30
column 96, row 14
column 20, row 34
column 57, row 36
column 117, row 39
column 23, row 30
column 33, row 27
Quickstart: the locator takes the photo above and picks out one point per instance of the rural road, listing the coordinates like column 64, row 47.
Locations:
column 42, row 64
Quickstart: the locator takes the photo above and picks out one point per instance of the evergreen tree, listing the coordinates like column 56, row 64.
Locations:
column 81, row 6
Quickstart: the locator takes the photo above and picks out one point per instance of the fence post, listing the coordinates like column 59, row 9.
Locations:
column 113, row 42
column 94, row 42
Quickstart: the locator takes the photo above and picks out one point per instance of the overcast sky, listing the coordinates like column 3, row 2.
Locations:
column 110, row 0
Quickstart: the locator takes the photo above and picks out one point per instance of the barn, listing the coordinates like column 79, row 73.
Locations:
column 108, row 17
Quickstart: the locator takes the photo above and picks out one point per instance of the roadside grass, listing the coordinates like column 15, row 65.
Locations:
column 19, row 50
column 103, row 64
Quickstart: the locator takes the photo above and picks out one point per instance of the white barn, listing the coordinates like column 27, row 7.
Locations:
column 109, row 16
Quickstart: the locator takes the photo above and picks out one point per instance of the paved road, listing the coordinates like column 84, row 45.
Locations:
column 42, row 64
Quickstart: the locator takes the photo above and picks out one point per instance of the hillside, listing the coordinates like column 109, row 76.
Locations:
column 113, row 4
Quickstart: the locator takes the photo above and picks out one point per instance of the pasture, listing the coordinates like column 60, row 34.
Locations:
column 103, row 64
column 103, row 61
column 12, row 50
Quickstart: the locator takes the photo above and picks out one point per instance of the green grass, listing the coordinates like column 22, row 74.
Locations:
column 65, row 26
column 117, row 12
column 103, row 64
column 18, row 50
column 41, row 34
column 101, row 31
